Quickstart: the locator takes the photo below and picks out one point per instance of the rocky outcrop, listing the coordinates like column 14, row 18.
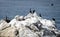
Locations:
column 31, row 25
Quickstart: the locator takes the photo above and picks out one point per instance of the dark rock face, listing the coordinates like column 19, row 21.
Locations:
column 16, row 32
column 36, row 24
column 29, row 27
column 58, row 35
column 47, row 32
column 53, row 32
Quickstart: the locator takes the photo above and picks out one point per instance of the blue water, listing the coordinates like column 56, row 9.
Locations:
column 11, row 8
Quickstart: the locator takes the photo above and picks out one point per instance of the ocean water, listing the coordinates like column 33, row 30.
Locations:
column 47, row 8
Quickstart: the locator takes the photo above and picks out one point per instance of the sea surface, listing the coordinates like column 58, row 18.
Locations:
column 47, row 8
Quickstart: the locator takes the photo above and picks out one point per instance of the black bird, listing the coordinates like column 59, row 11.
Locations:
column 52, row 4
column 33, row 11
column 40, row 15
column 7, row 20
column 30, row 10
column 53, row 19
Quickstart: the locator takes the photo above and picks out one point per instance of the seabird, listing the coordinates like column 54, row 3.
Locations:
column 40, row 15
column 52, row 4
column 7, row 20
column 33, row 11
column 53, row 19
column 30, row 10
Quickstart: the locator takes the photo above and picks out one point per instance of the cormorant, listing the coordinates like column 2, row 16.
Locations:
column 7, row 20
column 53, row 19
column 53, row 32
column 33, row 11
column 58, row 35
column 30, row 10
column 40, row 15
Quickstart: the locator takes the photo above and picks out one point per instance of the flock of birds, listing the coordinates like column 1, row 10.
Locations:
column 34, row 22
column 8, row 20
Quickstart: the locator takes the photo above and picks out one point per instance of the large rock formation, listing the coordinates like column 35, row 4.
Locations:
column 31, row 25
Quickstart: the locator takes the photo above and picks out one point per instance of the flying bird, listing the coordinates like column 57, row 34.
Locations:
column 52, row 4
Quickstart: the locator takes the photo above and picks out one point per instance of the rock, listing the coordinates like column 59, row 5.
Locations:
column 8, row 32
column 3, row 24
column 31, row 25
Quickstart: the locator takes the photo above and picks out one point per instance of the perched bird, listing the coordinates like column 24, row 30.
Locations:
column 33, row 11
column 7, row 20
column 53, row 19
column 30, row 10
column 16, row 32
column 40, row 15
